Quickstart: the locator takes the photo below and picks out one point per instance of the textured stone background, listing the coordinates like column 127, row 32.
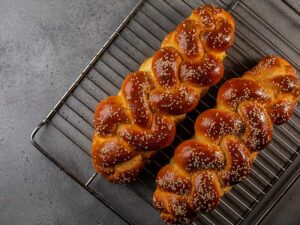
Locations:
column 43, row 46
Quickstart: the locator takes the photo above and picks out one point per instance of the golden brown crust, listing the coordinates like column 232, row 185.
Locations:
column 193, row 155
column 227, row 140
column 132, row 126
column 108, row 115
column 206, row 72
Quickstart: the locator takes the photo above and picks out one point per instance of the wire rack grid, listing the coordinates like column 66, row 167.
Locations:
column 65, row 135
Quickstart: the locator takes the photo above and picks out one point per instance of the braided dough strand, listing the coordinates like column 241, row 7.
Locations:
column 131, row 127
column 227, row 140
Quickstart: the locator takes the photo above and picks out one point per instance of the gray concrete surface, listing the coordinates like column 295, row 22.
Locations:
column 43, row 46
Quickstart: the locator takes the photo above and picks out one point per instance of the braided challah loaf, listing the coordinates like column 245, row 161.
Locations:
column 132, row 126
column 227, row 140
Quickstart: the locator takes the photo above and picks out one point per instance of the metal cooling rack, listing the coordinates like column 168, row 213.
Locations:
column 65, row 135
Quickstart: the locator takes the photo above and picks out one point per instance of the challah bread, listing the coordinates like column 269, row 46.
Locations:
column 227, row 139
column 131, row 127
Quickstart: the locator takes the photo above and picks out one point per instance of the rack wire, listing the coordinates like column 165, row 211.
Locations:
column 65, row 135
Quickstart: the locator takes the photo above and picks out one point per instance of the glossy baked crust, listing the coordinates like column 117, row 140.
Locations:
column 227, row 140
column 131, row 127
